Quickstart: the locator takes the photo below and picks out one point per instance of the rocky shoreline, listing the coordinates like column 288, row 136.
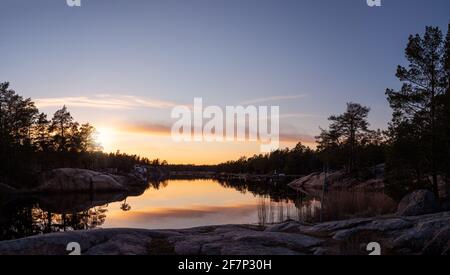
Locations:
column 341, row 180
column 82, row 181
column 417, row 228
column 414, row 235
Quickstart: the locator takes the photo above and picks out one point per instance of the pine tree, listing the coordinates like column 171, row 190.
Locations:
column 42, row 139
column 416, row 105
column 61, row 126
column 346, row 132
column 87, row 135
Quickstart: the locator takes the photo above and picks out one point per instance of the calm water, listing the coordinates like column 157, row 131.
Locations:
column 168, row 204
column 182, row 204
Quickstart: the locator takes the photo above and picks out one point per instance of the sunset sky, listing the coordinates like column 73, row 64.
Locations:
column 123, row 65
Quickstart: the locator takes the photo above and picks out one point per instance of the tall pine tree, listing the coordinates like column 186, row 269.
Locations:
column 417, row 105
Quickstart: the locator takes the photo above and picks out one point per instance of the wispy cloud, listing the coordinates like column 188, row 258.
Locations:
column 104, row 101
column 292, row 115
column 272, row 98
column 300, row 115
column 164, row 129
column 146, row 128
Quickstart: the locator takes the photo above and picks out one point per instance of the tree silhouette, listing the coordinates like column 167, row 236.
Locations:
column 418, row 104
column 42, row 139
column 346, row 133
column 62, row 124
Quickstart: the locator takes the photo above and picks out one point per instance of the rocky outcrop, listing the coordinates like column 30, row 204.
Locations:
column 82, row 180
column 108, row 241
column 316, row 180
column 341, row 179
column 79, row 180
column 418, row 203
column 427, row 234
column 440, row 244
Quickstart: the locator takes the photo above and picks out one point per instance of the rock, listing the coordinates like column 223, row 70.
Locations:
column 97, row 241
column 439, row 244
column 122, row 244
column 426, row 234
column 273, row 239
column 418, row 203
column 193, row 245
column 140, row 172
column 339, row 225
column 316, row 180
column 424, row 229
column 80, row 180
column 320, row 251
column 381, row 226
column 250, row 250
column 286, row 227
column 341, row 179
column 138, row 176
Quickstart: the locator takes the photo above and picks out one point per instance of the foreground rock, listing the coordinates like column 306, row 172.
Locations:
column 418, row 203
column 81, row 180
column 427, row 234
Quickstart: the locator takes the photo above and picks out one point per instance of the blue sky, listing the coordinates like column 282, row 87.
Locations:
column 226, row 51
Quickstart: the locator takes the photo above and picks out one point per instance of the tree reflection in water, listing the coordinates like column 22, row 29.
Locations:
column 125, row 206
column 270, row 211
column 24, row 217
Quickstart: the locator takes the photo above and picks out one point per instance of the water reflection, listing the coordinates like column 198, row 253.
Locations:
column 25, row 217
column 125, row 206
column 180, row 204
column 270, row 211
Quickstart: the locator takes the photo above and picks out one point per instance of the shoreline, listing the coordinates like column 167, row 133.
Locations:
column 426, row 234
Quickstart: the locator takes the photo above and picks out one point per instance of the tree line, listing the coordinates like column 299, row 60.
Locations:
column 416, row 145
column 299, row 160
column 30, row 142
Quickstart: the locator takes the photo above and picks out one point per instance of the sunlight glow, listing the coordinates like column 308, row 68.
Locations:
column 106, row 138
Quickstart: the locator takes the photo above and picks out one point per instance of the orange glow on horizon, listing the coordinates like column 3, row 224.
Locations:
column 159, row 144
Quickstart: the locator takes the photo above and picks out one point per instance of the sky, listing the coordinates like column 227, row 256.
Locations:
column 123, row 65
